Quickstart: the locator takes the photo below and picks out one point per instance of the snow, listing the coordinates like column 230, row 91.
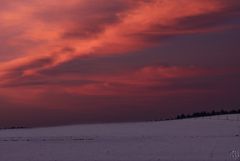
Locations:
column 214, row 138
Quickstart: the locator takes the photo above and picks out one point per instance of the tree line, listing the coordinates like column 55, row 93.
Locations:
column 204, row 113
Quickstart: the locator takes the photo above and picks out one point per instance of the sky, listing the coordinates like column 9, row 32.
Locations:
column 92, row 61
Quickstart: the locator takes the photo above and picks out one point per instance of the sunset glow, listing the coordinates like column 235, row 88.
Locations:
column 116, row 60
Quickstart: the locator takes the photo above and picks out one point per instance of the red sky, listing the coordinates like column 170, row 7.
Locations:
column 124, row 60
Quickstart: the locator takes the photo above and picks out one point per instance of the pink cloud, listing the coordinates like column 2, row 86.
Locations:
column 88, row 28
column 41, row 35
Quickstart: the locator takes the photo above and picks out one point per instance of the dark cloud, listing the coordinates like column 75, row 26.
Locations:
column 87, row 20
column 210, row 21
column 38, row 82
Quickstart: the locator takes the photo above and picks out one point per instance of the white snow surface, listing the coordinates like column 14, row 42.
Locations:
column 214, row 138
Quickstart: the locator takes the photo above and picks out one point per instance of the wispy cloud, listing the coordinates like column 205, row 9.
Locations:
column 53, row 33
column 45, row 46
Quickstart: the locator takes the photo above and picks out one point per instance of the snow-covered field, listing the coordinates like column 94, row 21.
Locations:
column 202, row 139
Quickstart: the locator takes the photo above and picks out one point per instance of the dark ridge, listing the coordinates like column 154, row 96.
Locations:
column 204, row 114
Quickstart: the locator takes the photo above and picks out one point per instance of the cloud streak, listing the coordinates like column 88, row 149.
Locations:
column 59, row 32
column 60, row 54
